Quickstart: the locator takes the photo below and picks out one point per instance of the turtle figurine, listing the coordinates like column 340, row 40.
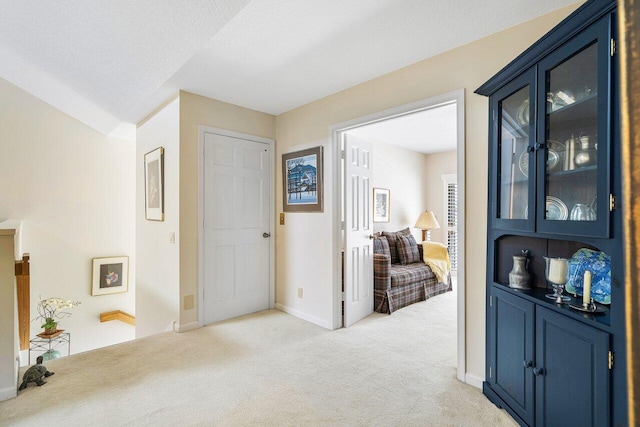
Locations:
column 35, row 374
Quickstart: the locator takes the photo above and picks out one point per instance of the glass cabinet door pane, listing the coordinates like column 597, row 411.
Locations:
column 571, row 148
column 514, row 162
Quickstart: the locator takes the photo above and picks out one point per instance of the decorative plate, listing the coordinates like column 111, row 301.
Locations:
column 523, row 113
column 555, row 154
column 553, row 159
column 599, row 263
column 556, row 209
column 523, row 163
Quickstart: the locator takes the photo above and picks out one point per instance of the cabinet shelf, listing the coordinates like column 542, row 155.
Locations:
column 537, row 295
column 584, row 108
column 572, row 174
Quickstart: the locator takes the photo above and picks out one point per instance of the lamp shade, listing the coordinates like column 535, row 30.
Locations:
column 427, row 221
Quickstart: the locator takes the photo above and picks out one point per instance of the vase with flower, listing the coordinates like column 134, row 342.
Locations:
column 50, row 312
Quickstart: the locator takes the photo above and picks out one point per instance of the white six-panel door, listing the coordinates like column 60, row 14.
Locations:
column 358, row 248
column 236, row 221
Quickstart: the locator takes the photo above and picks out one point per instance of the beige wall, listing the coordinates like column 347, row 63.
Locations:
column 198, row 110
column 74, row 189
column 439, row 164
column 8, row 333
column 403, row 173
column 157, row 259
column 466, row 67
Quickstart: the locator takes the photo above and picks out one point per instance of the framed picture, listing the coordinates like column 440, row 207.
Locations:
column 154, row 185
column 381, row 204
column 110, row 275
column 302, row 181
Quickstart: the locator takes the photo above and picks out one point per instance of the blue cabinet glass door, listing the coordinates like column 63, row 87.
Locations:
column 573, row 164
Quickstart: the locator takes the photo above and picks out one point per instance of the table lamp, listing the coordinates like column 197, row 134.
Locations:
column 427, row 221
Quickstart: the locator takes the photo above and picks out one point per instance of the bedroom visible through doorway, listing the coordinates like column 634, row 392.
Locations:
column 417, row 159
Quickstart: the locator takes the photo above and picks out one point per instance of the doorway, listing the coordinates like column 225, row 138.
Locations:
column 236, row 265
column 337, row 133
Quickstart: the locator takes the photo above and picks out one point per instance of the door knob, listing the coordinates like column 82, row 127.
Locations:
column 539, row 145
column 372, row 237
column 530, row 149
column 538, row 371
column 527, row 363
column 266, row 235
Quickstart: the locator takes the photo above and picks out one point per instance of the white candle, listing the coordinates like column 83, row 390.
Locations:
column 586, row 295
column 558, row 271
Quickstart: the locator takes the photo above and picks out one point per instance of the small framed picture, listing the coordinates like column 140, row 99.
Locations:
column 302, row 181
column 154, row 185
column 381, row 204
column 110, row 275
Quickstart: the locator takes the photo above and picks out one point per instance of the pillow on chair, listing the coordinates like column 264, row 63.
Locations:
column 381, row 246
column 392, row 237
column 407, row 250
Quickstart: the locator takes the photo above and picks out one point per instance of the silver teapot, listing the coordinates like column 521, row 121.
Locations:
column 586, row 152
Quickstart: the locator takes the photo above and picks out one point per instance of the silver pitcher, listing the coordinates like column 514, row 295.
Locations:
column 519, row 277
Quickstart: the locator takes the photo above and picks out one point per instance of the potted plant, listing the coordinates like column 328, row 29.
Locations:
column 48, row 312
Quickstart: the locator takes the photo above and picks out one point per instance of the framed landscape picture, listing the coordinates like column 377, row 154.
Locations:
column 154, row 185
column 302, row 181
column 381, row 204
column 110, row 275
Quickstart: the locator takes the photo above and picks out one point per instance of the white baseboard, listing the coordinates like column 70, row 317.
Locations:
column 186, row 327
column 473, row 380
column 303, row 316
column 8, row 393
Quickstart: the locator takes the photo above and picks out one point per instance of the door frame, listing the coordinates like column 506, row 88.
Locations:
column 335, row 136
column 202, row 129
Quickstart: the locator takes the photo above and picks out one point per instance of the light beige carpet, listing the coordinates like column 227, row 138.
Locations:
column 268, row 369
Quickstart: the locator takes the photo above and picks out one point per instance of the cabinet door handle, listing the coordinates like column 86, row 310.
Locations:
column 538, row 371
column 530, row 149
column 527, row 363
column 539, row 145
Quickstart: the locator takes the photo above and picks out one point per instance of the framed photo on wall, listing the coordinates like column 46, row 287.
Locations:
column 110, row 275
column 302, row 183
column 381, row 204
column 154, row 185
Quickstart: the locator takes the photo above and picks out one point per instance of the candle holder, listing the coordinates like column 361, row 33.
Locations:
column 590, row 307
column 556, row 275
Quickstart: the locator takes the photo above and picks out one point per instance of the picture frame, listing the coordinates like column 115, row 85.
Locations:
column 381, row 204
column 302, row 181
column 154, row 185
column 110, row 275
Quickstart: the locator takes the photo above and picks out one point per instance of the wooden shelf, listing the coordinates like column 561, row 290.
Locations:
column 118, row 315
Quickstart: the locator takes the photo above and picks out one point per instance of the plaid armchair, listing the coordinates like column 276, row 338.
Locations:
column 397, row 285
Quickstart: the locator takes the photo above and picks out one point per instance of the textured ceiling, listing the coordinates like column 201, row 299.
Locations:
column 111, row 61
column 428, row 131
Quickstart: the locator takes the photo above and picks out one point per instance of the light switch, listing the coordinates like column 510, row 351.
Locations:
column 282, row 218
column 172, row 237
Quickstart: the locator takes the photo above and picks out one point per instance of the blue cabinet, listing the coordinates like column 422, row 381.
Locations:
column 571, row 368
column 554, row 185
column 550, row 139
column 511, row 352
column 548, row 369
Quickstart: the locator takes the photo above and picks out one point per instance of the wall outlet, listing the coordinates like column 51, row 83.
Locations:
column 282, row 218
column 300, row 293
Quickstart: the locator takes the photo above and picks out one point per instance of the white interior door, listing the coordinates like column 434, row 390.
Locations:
column 358, row 246
column 236, row 245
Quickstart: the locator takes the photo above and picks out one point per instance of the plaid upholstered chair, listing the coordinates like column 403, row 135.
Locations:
column 400, row 276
